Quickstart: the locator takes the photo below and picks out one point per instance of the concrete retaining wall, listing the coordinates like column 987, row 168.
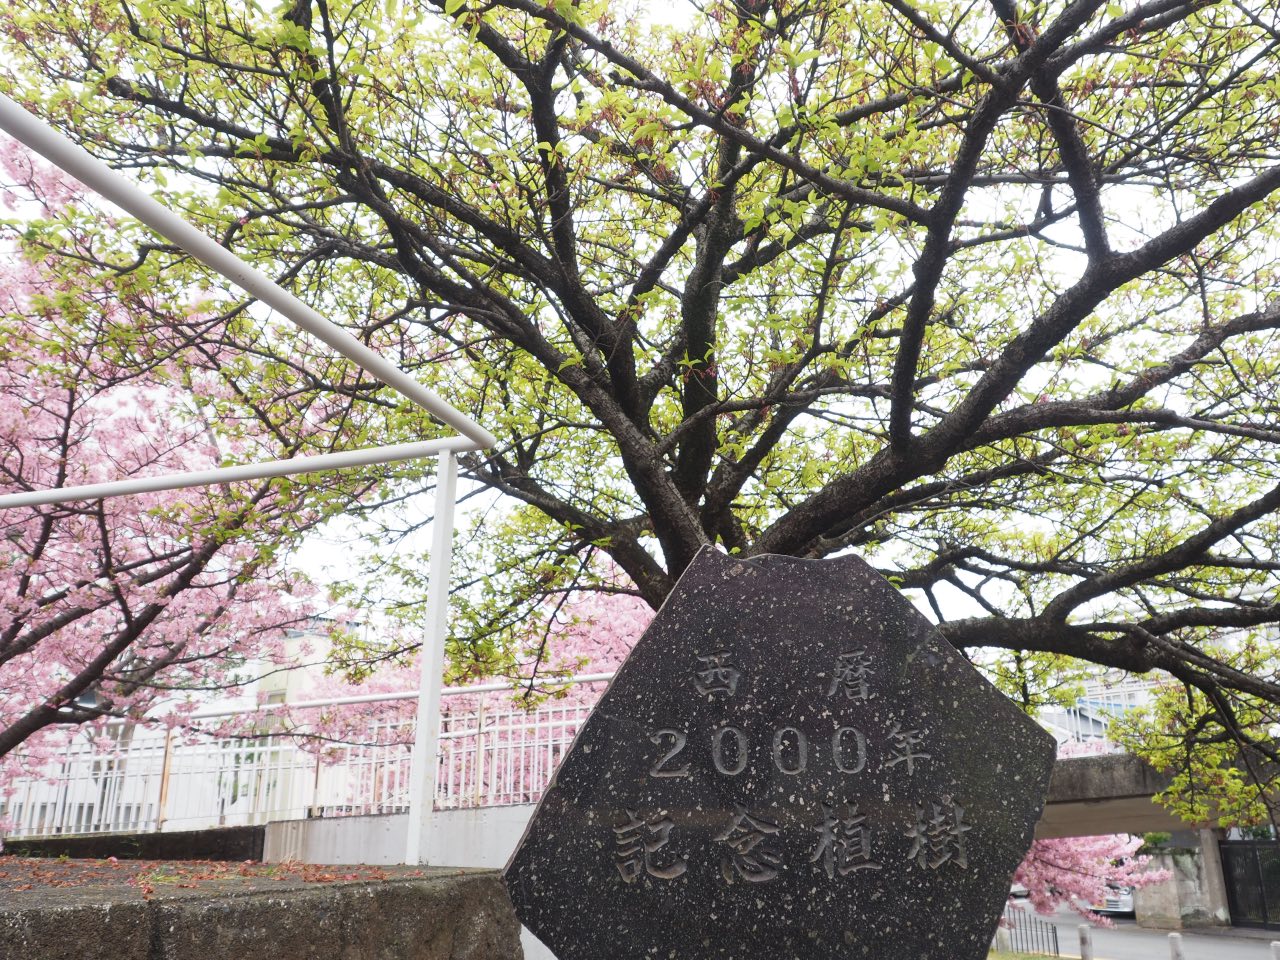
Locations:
column 441, row 915
column 1195, row 894
column 1110, row 793
column 222, row 843
column 476, row 838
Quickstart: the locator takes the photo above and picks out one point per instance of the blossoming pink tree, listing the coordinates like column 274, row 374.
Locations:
column 1076, row 871
column 108, row 608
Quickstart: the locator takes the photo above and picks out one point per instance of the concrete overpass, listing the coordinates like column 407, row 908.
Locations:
column 1108, row 793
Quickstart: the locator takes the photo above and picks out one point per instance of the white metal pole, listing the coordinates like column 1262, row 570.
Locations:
column 247, row 471
column 96, row 175
column 426, row 740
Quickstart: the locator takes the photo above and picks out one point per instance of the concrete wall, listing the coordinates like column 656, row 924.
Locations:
column 1087, row 796
column 457, row 838
column 1194, row 895
column 221, row 843
column 1110, row 793
column 444, row 915
column 372, row 840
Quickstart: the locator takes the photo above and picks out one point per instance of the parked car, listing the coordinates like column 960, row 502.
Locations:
column 1119, row 899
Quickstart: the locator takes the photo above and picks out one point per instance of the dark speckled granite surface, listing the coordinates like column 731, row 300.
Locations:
column 791, row 764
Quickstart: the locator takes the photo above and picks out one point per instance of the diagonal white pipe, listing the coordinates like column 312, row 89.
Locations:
column 96, row 175
column 247, row 471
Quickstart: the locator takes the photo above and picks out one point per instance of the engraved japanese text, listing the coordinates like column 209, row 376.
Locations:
column 850, row 675
column 637, row 843
column 937, row 836
column 748, row 855
column 717, row 674
column 906, row 748
column 844, row 843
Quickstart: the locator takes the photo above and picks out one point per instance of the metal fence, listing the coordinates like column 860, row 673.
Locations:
column 1022, row 932
column 1251, row 869
column 139, row 779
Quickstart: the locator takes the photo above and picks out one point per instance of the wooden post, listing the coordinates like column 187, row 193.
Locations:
column 165, row 765
column 1175, row 947
column 477, row 770
column 1086, row 942
column 313, row 809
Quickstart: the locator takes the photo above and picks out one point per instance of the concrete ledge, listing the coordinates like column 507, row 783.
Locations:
column 440, row 914
column 221, row 843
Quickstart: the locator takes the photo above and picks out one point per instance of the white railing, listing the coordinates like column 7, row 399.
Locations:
column 492, row 753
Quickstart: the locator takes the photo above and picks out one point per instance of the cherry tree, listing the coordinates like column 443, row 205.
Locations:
column 111, row 608
column 983, row 291
column 1077, row 871
column 587, row 633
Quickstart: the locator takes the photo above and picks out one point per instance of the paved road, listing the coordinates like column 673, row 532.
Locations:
column 1125, row 941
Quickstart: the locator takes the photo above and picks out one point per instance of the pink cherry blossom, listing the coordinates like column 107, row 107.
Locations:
column 1076, row 871
column 136, row 605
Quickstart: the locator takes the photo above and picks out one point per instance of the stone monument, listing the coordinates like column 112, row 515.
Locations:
column 793, row 765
